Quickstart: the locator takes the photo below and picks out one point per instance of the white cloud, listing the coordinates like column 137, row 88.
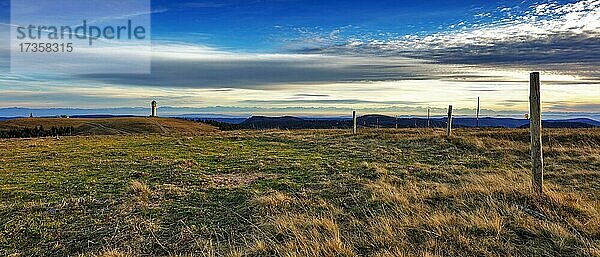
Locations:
column 534, row 32
column 546, row 20
column 539, row 37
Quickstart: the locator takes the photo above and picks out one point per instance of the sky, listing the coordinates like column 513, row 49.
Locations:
column 324, row 58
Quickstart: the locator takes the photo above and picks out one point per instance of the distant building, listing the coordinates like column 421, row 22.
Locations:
column 154, row 106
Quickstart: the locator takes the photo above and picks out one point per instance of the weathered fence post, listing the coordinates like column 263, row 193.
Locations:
column 354, row 122
column 449, row 125
column 535, row 127
column 396, row 121
column 478, row 106
column 428, row 122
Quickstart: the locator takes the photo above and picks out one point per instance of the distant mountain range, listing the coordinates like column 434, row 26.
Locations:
column 382, row 121
column 290, row 122
column 564, row 124
column 225, row 120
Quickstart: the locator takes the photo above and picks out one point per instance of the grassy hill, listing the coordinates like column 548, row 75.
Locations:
column 113, row 126
column 383, row 192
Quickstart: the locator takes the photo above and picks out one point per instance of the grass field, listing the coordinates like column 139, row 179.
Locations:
column 407, row 192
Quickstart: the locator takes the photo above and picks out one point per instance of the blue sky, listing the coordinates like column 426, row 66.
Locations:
column 316, row 56
column 266, row 25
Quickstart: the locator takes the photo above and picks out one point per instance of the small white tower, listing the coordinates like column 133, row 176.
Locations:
column 153, row 109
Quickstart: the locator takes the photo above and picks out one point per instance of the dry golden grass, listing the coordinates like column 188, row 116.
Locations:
column 302, row 193
column 112, row 253
column 141, row 190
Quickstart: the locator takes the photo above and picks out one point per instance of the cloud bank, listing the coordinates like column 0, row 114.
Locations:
column 557, row 39
column 541, row 36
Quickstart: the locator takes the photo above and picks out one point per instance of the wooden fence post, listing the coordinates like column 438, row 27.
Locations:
column 428, row 122
column 396, row 121
column 354, row 122
column 478, row 106
column 535, row 127
column 449, row 125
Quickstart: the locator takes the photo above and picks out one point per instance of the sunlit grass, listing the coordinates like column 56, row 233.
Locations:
column 301, row 193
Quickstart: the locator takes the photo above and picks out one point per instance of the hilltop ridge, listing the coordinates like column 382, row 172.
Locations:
column 383, row 121
column 112, row 126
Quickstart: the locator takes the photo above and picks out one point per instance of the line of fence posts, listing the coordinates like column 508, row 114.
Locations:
column 448, row 127
column 535, row 127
